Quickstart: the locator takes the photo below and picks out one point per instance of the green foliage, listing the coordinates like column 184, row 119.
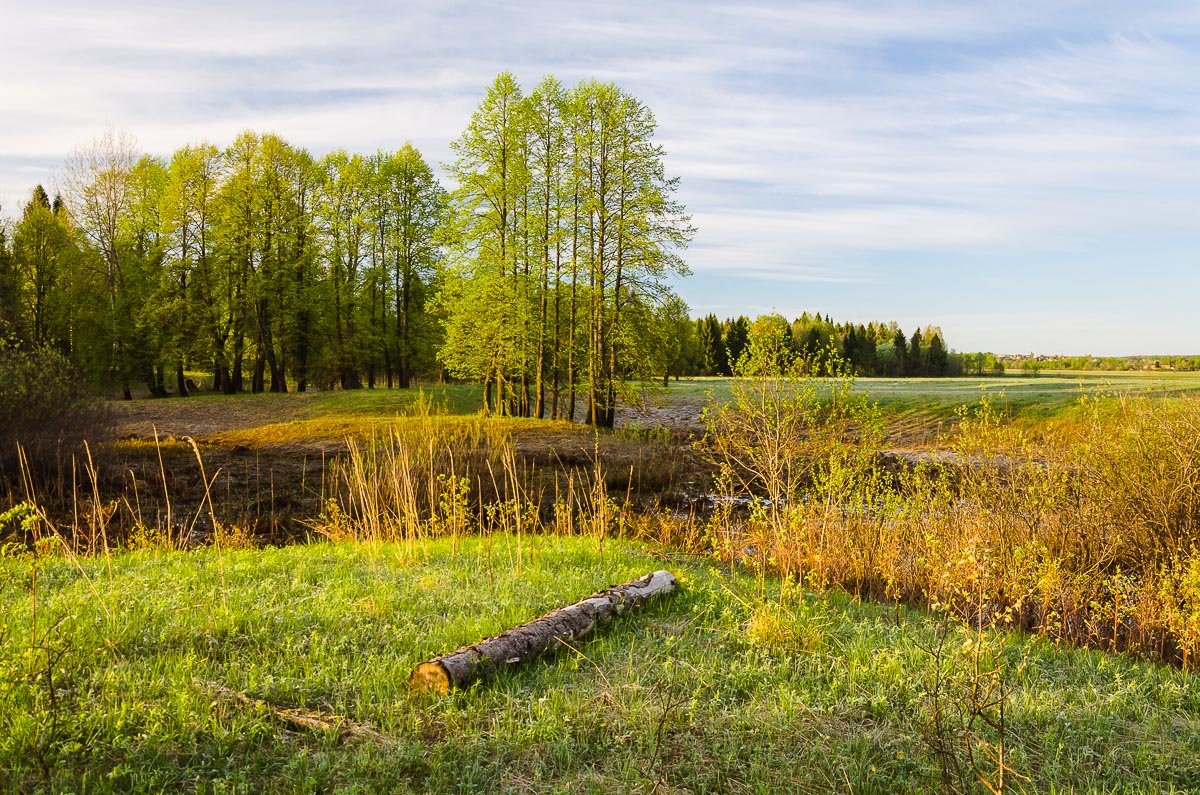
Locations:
column 769, row 351
column 45, row 255
column 786, row 438
column 564, row 229
column 675, row 342
column 19, row 526
column 10, row 286
column 871, row 350
column 253, row 262
column 714, row 354
column 45, row 408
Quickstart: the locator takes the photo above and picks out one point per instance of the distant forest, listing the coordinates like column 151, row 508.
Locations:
column 1033, row 363
column 713, row 347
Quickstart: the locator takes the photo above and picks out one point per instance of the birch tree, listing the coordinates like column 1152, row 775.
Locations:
column 99, row 178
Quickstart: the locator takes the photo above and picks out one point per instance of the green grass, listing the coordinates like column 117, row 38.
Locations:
column 707, row 691
column 1047, row 394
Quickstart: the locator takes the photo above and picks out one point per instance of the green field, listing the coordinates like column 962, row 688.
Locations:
column 332, row 415
column 121, row 681
column 1045, row 394
column 1049, row 386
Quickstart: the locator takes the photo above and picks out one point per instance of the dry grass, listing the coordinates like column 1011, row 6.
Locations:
column 1089, row 535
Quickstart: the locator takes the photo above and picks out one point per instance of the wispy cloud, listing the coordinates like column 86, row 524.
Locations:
column 823, row 147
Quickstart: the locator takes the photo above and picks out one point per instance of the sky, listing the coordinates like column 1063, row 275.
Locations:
column 1024, row 174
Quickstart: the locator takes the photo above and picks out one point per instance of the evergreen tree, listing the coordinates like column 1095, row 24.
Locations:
column 916, row 361
column 867, row 361
column 850, row 350
column 713, row 351
column 737, row 334
column 939, row 359
column 900, row 346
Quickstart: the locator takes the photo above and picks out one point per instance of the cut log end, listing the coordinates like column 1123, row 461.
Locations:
column 430, row 677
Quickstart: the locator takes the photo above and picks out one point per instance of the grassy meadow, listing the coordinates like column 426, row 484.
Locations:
column 118, row 674
column 1017, row 611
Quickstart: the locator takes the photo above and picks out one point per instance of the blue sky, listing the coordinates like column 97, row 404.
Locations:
column 1027, row 175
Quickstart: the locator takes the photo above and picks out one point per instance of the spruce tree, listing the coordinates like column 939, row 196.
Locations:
column 737, row 332
column 916, row 354
column 939, row 357
column 900, row 344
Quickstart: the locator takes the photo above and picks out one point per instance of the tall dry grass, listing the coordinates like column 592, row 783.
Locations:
column 1090, row 536
column 432, row 475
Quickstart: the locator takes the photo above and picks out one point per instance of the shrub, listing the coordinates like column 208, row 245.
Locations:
column 45, row 410
column 1090, row 536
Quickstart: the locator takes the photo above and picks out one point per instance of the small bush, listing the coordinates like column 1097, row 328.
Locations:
column 45, row 409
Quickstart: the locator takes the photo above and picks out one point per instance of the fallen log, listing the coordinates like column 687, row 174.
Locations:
column 462, row 667
column 299, row 718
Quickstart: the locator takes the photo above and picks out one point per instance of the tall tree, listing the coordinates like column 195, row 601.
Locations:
column 713, row 350
column 939, row 357
column 546, row 150
column 915, row 362
column 737, row 334
column 238, row 210
column 44, row 252
column 346, row 224
column 415, row 203
column 484, row 312
column 676, row 339
column 188, row 302
column 145, row 243
column 901, row 352
column 99, row 192
column 9, row 289
column 770, row 348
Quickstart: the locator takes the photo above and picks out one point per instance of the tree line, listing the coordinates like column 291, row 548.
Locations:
column 542, row 275
column 263, row 266
column 1034, row 363
column 713, row 347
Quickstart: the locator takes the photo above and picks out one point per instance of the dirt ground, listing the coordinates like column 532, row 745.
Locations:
column 265, row 462
column 206, row 416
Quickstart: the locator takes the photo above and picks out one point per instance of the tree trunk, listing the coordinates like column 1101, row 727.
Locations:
column 460, row 668
column 235, row 377
column 258, row 379
column 302, row 353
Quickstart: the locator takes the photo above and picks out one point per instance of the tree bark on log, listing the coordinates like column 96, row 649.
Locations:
column 460, row 668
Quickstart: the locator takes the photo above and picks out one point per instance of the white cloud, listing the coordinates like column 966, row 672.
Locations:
column 815, row 140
